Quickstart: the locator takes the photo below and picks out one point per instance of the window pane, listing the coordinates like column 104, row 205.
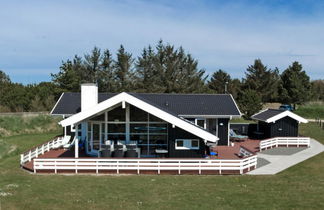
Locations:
column 98, row 118
column 158, row 139
column 117, row 115
column 179, row 143
column 201, row 123
column 116, row 137
column 194, row 143
column 152, row 118
column 137, row 115
column 116, row 128
column 138, row 128
column 141, row 139
column 158, row 128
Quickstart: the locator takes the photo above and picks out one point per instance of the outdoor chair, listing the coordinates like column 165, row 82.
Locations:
column 131, row 147
column 105, row 153
column 118, row 147
column 118, row 153
column 131, row 153
column 237, row 137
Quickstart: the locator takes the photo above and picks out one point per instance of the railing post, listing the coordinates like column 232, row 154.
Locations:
column 29, row 157
column 96, row 166
column 43, row 149
column 76, row 165
column 158, row 166
column 241, row 167
column 117, row 167
column 199, row 167
column 138, row 167
column 220, row 167
column 21, row 159
column 36, row 151
column 179, row 170
column 55, row 167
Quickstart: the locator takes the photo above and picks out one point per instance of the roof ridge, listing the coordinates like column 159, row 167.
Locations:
column 216, row 94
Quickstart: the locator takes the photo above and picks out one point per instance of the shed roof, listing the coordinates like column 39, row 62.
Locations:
column 272, row 115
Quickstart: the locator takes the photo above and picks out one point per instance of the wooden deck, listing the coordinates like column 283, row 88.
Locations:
column 224, row 152
column 55, row 153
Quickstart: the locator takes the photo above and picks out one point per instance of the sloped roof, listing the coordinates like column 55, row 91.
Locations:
column 159, row 112
column 179, row 104
column 272, row 115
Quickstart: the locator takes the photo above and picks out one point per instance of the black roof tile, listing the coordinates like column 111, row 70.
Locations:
column 267, row 114
column 179, row 104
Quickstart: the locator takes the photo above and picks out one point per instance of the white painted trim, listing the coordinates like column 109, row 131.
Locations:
column 56, row 105
column 287, row 114
column 186, row 144
column 281, row 115
column 76, row 143
column 228, row 133
column 144, row 106
column 209, row 116
column 236, row 105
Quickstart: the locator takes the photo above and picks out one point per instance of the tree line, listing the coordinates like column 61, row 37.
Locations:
column 162, row 68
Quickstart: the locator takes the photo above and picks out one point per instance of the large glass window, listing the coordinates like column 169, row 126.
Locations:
column 137, row 115
column 116, row 128
column 149, row 132
column 117, row 115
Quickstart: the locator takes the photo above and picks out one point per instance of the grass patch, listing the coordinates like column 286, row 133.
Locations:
column 241, row 120
column 299, row 187
column 312, row 130
column 13, row 125
column 311, row 110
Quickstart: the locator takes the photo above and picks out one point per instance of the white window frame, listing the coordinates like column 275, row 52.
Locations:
column 187, row 144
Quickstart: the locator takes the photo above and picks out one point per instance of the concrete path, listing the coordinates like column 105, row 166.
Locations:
column 274, row 163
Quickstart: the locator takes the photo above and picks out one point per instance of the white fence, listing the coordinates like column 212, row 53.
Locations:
column 158, row 165
column 39, row 150
column 284, row 141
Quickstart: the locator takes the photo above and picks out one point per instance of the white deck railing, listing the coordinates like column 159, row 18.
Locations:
column 39, row 150
column 158, row 165
column 284, row 141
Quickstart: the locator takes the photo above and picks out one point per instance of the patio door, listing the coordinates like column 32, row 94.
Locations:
column 96, row 131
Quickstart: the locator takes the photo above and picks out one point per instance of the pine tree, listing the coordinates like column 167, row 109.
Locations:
column 249, row 102
column 106, row 75
column 124, row 70
column 295, row 86
column 219, row 80
column 266, row 81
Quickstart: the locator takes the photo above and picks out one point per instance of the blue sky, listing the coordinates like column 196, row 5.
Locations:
column 35, row 36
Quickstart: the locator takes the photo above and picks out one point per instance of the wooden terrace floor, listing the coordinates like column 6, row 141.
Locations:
column 224, row 152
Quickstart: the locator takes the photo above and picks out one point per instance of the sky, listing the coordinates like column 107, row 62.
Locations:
column 36, row 36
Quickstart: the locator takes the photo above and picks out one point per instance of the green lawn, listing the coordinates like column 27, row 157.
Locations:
column 300, row 187
column 311, row 110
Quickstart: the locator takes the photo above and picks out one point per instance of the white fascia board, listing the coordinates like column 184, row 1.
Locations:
column 209, row 116
column 144, row 106
column 56, row 104
column 236, row 105
column 287, row 114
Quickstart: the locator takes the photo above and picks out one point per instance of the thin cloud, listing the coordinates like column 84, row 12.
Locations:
column 226, row 34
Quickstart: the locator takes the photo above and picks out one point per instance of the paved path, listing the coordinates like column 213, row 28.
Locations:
column 279, row 163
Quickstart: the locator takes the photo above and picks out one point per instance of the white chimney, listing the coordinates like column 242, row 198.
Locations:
column 89, row 96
